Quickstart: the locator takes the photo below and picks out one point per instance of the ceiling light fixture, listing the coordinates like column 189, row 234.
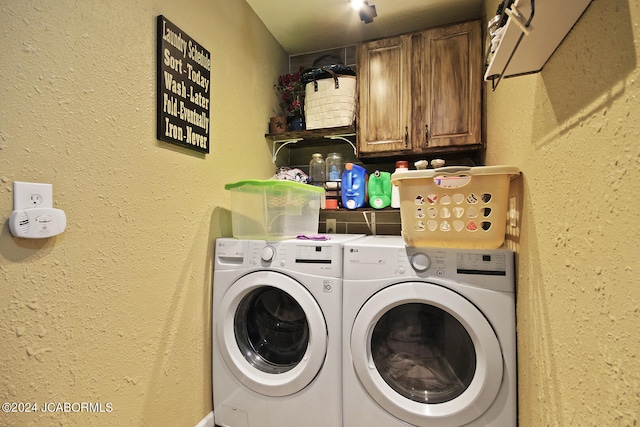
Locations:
column 356, row 4
column 367, row 12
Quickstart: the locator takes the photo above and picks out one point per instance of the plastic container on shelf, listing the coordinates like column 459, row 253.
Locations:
column 455, row 207
column 274, row 209
column 379, row 189
column 334, row 167
column 317, row 170
column 354, row 186
column 401, row 165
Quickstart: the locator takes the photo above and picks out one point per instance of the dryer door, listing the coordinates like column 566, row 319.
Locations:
column 272, row 333
column 426, row 355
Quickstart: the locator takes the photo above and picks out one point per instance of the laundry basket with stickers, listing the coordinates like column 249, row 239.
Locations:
column 454, row 207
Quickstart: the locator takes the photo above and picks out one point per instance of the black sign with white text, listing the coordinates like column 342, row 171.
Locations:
column 184, row 77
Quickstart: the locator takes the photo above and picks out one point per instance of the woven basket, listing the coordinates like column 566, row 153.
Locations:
column 330, row 102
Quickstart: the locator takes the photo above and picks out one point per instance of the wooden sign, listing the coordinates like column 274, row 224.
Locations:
column 184, row 84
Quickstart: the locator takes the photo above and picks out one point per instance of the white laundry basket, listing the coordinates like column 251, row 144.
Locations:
column 454, row 207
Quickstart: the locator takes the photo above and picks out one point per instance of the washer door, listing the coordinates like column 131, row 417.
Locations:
column 272, row 333
column 426, row 355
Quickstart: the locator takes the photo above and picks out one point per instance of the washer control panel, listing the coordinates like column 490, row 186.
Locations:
column 318, row 254
column 323, row 258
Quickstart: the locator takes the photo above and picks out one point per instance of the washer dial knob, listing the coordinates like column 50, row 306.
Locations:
column 420, row 262
column 268, row 252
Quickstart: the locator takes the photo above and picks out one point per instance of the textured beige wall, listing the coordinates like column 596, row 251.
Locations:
column 574, row 131
column 117, row 309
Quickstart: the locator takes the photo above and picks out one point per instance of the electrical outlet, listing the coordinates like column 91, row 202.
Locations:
column 330, row 226
column 29, row 195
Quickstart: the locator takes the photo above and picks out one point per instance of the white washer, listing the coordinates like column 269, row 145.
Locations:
column 429, row 336
column 277, row 332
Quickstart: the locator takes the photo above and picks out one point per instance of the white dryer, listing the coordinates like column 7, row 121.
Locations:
column 429, row 336
column 277, row 332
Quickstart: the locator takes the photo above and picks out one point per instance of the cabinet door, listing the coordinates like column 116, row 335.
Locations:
column 384, row 90
column 449, row 113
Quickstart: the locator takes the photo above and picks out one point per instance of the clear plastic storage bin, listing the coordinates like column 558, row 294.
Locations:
column 455, row 207
column 274, row 209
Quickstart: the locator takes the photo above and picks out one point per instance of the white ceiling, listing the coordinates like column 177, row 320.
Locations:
column 303, row 26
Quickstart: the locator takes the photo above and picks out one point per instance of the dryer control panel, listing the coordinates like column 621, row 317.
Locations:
column 372, row 259
column 492, row 264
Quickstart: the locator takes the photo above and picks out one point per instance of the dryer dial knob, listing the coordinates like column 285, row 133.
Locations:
column 420, row 262
column 268, row 252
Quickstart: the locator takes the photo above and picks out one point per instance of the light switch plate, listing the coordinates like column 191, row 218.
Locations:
column 28, row 195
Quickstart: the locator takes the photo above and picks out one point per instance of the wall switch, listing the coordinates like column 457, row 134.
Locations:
column 29, row 195
column 330, row 226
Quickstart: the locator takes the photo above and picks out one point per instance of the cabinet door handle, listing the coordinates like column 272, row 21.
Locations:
column 426, row 135
column 406, row 137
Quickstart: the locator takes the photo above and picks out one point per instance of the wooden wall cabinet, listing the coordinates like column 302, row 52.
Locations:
column 383, row 114
column 421, row 93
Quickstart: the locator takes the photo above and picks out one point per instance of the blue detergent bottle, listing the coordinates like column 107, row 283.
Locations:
column 379, row 190
column 354, row 186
